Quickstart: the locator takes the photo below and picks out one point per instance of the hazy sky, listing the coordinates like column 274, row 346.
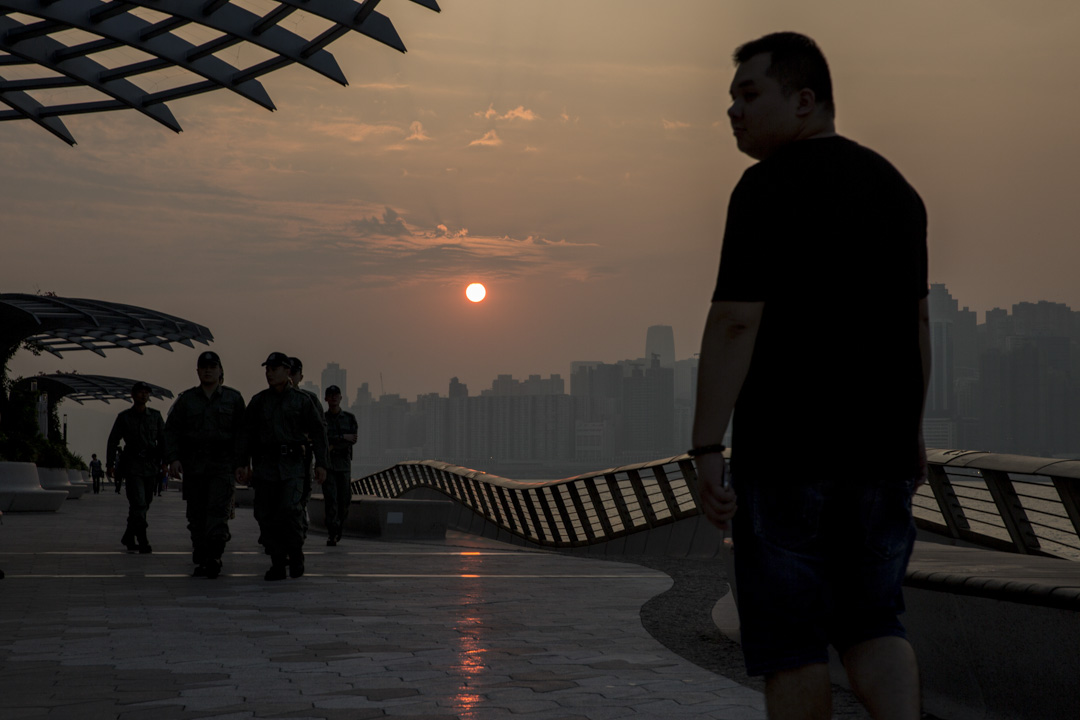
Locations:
column 573, row 155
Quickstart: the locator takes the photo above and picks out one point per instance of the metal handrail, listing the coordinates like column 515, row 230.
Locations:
column 610, row 504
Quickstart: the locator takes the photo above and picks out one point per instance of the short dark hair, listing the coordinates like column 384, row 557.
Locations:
column 797, row 62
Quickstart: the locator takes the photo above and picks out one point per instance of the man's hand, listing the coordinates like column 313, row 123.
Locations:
column 111, row 474
column 351, row 437
column 717, row 498
column 175, row 469
column 320, row 475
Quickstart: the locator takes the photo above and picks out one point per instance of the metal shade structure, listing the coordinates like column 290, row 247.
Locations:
column 80, row 388
column 57, row 325
column 69, row 57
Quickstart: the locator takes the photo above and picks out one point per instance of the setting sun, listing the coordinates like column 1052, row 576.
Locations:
column 476, row 292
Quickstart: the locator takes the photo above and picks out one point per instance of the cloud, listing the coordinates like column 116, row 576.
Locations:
column 389, row 225
column 490, row 139
column 518, row 113
column 383, row 251
column 675, row 124
column 417, row 132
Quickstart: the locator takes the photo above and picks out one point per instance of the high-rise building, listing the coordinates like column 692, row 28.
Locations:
column 660, row 342
column 334, row 374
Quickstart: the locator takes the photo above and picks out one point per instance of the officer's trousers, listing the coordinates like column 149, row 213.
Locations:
column 140, row 493
column 337, row 495
column 280, row 515
column 209, row 499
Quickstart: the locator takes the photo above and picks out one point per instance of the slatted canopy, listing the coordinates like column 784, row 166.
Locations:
column 57, row 325
column 90, row 387
column 68, row 57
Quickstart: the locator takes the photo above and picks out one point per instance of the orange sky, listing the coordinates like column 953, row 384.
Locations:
column 573, row 155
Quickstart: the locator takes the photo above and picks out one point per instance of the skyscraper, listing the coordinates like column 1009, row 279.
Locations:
column 334, row 374
column 660, row 341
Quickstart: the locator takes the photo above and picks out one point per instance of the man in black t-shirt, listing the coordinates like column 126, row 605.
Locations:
column 817, row 338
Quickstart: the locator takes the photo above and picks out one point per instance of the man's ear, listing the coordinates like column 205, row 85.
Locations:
column 806, row 102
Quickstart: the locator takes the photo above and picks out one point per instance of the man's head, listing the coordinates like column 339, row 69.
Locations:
column 140, row 394
column 333, row 397
column 277, row 370
column 782, row 92
column 93, row 456
column 209, row 368
column 297, row 373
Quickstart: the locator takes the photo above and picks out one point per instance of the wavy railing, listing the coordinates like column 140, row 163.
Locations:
column 1006, row 502
column 574, row 512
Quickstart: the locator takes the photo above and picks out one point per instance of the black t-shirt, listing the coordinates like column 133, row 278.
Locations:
column 832, row 239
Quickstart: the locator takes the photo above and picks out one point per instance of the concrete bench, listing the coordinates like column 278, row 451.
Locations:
column 21, row 490
column 388, row 518
column 60, row 479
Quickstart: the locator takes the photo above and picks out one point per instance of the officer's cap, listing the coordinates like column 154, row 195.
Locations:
column 296, row 365
column 278, row 359
column 333, row 390
column 141, row 386
column 209, row 359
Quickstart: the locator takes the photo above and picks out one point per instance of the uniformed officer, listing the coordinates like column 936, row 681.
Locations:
column 341, row 433
column 281, row 422
column 205, row 443
column 296, row 376
column 143, row 433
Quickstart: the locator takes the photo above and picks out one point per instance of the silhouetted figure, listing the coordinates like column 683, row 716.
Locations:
column 97, row 472
column 818, row 330
column 207, row 446
column 341, row 433
column 143, row 433
column 281, row 423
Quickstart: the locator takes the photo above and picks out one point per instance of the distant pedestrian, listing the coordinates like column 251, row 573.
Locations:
column 97, row 472
column 206, row 446
column 296, row 376
column 818, row 329
column 142, row 431
column 341, row 433
column 281, row 423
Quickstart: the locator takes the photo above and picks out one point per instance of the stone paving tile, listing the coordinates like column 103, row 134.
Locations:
column 380, row 630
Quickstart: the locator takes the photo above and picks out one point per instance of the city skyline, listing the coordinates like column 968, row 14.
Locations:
column 580, row 169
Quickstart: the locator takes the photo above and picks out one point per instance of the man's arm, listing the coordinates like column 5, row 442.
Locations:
column 115, row 436
column 925, row 355
column 727, row 346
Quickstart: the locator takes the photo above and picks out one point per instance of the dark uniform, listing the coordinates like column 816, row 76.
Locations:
column 280, row 426
column 337, row 492
column 309, row 459
column 206, row 434
column 143, row 434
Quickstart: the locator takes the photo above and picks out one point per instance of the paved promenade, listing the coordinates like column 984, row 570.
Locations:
column 456, row 629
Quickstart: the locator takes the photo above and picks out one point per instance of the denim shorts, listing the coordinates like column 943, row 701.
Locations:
column 818, row 563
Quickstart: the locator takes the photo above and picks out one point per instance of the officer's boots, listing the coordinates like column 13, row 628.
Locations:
column 144, row 544
column 277, row 568
column 296, row 563
column 128, row 540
